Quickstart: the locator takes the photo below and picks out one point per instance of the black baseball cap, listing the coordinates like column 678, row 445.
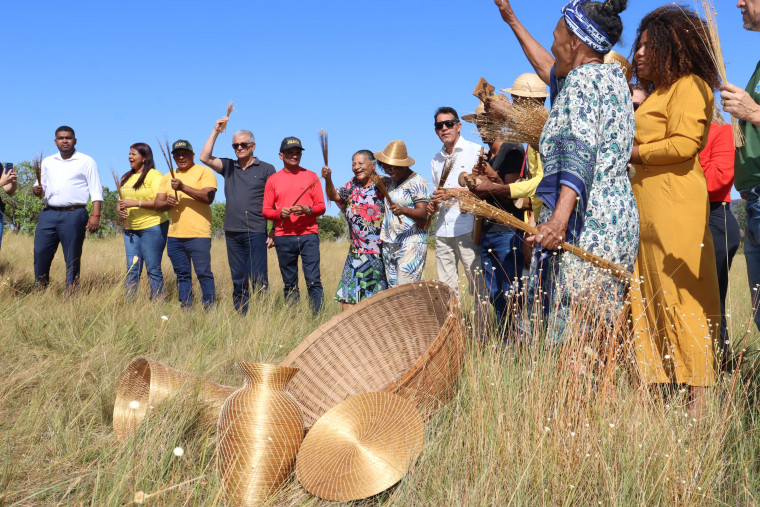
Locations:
column 290, row 142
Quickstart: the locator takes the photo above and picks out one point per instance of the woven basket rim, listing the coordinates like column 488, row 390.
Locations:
column 388, row 293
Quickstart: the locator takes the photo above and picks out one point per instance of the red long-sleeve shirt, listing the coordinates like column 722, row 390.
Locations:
column 282, row 190
column 717, row 161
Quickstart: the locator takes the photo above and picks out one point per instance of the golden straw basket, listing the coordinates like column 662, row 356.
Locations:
column 149, row 382
column 360, row 447
column 406, row 340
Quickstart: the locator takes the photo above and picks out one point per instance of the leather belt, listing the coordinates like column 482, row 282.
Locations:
column 67, row 208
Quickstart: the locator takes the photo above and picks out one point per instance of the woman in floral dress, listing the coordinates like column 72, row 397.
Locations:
column 586, row 194
column 362, row 204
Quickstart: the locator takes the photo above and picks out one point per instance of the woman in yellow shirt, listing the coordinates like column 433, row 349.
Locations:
column 674, row 297
column 145, row 229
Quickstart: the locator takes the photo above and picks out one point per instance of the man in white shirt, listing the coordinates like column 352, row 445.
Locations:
column 69, row 180
column 453, row 231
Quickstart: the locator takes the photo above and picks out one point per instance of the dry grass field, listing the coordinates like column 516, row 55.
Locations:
column 517, row 431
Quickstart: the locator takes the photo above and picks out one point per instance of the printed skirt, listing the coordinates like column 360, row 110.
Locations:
column 363, row 276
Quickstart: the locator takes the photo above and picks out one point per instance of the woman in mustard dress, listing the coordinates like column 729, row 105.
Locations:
column 674, row 300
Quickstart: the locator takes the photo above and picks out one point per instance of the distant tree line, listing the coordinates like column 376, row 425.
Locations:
column 23, row 208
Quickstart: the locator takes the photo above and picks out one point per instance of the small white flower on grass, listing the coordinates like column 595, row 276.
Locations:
column 572, row 486
column 612, row 425
column 139, row 497
column 546, row 429
column 134, row 404
column 667, row 356
column 179, row 452
column 164, row 317
column 699, row 488
column 572, row 433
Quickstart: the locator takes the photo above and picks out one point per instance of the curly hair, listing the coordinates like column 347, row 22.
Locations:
column 678, row 44
column 607, row 15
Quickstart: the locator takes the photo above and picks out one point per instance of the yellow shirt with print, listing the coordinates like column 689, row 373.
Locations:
column 527, row 188
column 143, row 218
column 189, row 218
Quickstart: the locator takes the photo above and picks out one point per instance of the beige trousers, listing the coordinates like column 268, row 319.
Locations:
column 449, row 251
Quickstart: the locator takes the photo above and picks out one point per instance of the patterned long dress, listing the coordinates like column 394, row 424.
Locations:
column 363, row 273
column 405, row 244
column 585, row 145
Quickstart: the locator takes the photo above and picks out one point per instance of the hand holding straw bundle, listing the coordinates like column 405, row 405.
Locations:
column 447, row 166
column 378, row 181
column 230, row 108
column 468, row 203
column 168, row 159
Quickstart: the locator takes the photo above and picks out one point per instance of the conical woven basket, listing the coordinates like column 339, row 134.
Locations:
column 406, row 340
column 149, row 383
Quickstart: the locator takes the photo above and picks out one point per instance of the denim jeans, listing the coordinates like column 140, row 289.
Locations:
column 752, row 249
column 726, row 237
column 66, row 228
column 289, row 248
column 502, row 257
column 247, row 257
column 148, row 246
column 183, row 251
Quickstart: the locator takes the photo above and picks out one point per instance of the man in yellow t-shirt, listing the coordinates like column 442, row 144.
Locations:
column 188, row 197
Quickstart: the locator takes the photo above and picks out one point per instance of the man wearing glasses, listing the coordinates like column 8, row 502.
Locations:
column 188, row 198
column 245, row 228
column 453, row 230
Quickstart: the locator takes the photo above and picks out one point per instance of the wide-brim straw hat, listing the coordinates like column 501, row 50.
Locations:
column 478, row 116
column 395, row 154
column 528, row 85
column 361, row 447
column 614, row 57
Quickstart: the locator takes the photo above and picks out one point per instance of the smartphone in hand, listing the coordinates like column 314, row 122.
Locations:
column 8, row 167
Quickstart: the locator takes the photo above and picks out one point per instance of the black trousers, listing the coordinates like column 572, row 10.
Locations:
column 726, row 237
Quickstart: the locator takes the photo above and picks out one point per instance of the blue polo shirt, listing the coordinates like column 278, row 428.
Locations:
column 244, row 193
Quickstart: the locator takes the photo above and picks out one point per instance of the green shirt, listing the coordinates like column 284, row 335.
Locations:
column 747, row 165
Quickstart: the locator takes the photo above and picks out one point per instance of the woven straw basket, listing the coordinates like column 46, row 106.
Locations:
column 406, row 340
column 149, row 382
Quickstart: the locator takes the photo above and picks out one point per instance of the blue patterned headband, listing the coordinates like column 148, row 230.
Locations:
column 584, row 27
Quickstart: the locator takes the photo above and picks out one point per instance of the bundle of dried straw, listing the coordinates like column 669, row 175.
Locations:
column 323, row 144
column 447, row 166
column 230, row 108
column 37, row 164
column 378, row 181
column 525, row 124
column 117, row 182
column 712, row 41
column 468, row 203
column 166, row 151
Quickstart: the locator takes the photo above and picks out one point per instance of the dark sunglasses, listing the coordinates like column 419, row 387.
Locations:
column 387, row 169
column 235, row 146
column 449, row 123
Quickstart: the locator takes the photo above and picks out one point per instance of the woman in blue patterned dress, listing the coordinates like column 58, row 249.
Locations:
column 587, row 198
column 404, row 238
column 363, row 207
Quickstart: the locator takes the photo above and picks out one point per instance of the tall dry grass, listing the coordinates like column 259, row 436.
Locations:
column 521, row 430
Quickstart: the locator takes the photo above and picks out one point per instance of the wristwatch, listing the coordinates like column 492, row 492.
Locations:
column 310, row 210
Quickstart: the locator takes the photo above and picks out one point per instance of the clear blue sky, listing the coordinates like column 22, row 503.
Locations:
column 367, row 72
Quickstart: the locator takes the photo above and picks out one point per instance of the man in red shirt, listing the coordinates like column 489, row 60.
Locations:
column 293, row 200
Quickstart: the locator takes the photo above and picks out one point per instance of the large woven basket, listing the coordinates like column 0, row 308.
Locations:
column 406, row 340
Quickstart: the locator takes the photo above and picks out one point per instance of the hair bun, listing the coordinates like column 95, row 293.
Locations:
column 615, row 6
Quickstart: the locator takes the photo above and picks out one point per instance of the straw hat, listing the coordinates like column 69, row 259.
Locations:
column 613, row 57
column 395, row 154
column 360, row 447
column 528, row 85
column 478, row 116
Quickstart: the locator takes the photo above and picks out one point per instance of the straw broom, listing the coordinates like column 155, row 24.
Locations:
column 525, row 124
column 117, row 182
column 447, row 166
column 323, row 144
column 168, row 159
column 378, row 181
column 470, row 204
column 230, row 108
column 37, row 164
column 716, row 52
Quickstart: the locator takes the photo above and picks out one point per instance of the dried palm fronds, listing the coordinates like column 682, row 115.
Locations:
column 168, row 159
column 712, row 41
column 525, row 124
column 117, row 182
column 468, row 203
column 37, row 164
column 305, row 190
column 378, row 181
column 230, row 108
column 447, row 166
column 323, row 143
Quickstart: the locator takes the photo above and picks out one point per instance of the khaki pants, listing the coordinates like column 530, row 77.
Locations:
column 463, row 249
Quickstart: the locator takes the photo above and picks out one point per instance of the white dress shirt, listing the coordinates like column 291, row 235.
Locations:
column 451, row 222
column 72, row 181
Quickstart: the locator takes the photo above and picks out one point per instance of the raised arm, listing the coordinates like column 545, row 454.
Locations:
column 541, row 60
column 208, row 148
column 330, row 190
